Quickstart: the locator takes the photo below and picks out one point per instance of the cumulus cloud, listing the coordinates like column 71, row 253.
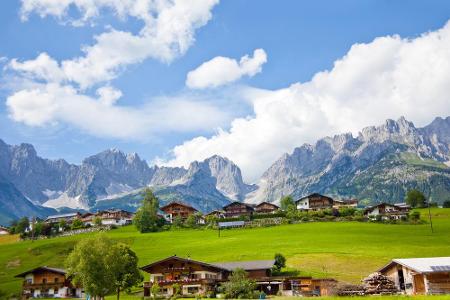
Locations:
column 386, row 78
column 222, row 70
column 50, row 104
column 47, row 91
column 168, row 32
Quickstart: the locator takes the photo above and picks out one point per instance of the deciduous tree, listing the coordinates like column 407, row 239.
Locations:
column 146, row 218
column 239, row 285
column 415, row 198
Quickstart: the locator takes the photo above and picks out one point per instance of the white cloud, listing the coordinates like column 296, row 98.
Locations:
column 47, row 91
column 168, row 32
column 49, row 104
column 385, row 78
column 222, row 70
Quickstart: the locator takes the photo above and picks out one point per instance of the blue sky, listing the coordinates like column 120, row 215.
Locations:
column 300, row 38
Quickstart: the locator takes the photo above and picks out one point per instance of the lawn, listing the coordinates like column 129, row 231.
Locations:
column 347, row 251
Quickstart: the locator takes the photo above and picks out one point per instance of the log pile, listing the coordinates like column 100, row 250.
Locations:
column 378, row 283
column 350, row 290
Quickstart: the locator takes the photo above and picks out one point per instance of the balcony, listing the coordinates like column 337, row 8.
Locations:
column 148, row 284
column 48, row 285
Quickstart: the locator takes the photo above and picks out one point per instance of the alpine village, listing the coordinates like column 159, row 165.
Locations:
column 220, row 149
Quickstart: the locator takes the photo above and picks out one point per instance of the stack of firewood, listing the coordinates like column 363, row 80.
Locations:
column 350, row 290
column 377, row 283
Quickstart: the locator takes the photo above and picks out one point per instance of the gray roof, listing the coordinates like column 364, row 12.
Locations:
column 62, row 216
column 246, row 265
column 423, row 265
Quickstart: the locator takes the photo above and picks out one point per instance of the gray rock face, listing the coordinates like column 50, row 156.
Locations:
column 338, row 165
column 113, row 174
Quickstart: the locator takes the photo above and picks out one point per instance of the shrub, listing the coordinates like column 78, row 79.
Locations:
column 414, row 216
column 446, row 204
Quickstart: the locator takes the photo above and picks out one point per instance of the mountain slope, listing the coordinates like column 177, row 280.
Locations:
column 380, row 164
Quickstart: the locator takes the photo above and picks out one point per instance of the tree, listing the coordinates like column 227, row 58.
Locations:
column 62, row 225
column 416, row 198
column 146, row 218
column 22, row 225
column 125, row 266
column 191, row 221
column 77, row 224
column 239, row 285
column 155, row 290
column 97, row 221
column 286, row 202
column 446, row 204
column 280, row 262
column 176, row 291
column 102, row 266
column 177, row 222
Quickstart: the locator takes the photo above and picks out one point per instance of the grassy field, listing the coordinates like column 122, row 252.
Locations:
column 347, row 251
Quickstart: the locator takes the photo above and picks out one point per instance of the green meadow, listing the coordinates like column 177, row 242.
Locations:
column 347, row 251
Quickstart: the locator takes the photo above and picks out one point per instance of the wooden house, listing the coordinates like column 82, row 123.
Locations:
column 216, row 213
column 3, row 230
column 346, row 203
column 420, row 275
column 117, row 217
column 266, row 208
column 315, row 202
column 386, row 211
column 238, row 209
column 197, row 278
column 46, row 282
column 68, row 218
column 178, row 209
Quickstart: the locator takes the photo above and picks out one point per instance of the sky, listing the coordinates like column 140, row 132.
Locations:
column 180, row 80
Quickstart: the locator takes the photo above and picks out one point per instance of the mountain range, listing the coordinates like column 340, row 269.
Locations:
column 380, row 164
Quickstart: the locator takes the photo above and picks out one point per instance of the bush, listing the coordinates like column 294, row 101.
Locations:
column 414, row 216
column 239, row 286
column 446, row 204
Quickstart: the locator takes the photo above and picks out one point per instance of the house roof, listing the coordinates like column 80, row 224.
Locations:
column 43, row 268
column 268, row 203
column 384, row 204
column 177, row 202
column 146, row 267
column 237, row 202
column 422, row 265
column 246, row 265
column 63, row 215
column 314, row 195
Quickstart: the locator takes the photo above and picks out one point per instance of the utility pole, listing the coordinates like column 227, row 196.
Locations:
column 429, row 215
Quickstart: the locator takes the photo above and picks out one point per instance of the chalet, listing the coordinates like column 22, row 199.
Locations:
column 266, row 208
column 46, row 282
column 386, row 211
column 68, row 218
column 3, row 230
column 115, row 217
column 216, row 213
column 238, row 209
column 178, row 209
column 347, row 203
column 315, row 202
column 200, row 278
column 420, row 275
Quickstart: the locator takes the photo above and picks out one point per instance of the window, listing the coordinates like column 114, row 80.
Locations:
column 44, row 280
column 56, row 279
column 192, row 289
column 55, row 292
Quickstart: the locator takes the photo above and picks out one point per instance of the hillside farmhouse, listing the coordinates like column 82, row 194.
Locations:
column 420, row 275
column 3, row 230
column 238, row 209
column 386, row 211
column 266, row 208
column 116, row 217
column 46, row 282
column 317, row 201
column 177, row 209
column 200, row 278
column 68, row 218
column 215, row 213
